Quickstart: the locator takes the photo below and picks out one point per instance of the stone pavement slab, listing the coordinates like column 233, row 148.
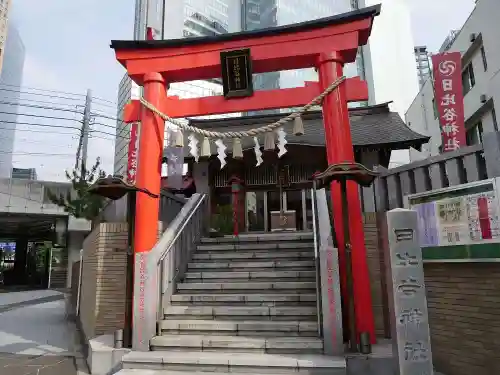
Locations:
column 14, row 364
column 36, row 330
column 11, row 298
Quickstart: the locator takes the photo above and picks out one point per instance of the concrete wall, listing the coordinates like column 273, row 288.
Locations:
column 103, row 279
column 464, row 317
column 75, row 245
column 420, row 115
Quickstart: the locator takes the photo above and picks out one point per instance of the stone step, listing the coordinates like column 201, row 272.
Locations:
column 256, row 246
column 242, row 363
column 238, row 344
column 252, row 275
column 245, row 299
column 261, row 237
column 239, row 328
column 243, row 266
column 253, row 255
column 301, row 313
column 234, row 287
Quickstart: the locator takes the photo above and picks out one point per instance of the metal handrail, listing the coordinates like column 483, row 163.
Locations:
column 316, row 259
column 192, row 211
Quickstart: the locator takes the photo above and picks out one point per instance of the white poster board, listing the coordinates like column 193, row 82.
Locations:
column 460, row 215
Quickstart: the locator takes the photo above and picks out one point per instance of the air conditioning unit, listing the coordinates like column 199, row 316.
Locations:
column 472, row 37
column 483, row 98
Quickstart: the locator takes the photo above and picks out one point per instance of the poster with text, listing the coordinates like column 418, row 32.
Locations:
column 453, row 221
column 427, row 224
column 483, row 214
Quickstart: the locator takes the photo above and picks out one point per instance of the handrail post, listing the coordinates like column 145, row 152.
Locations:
column 152, row 276
column 329, row 279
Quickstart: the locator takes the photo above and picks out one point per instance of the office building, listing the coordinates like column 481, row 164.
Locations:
column 477, row 41
column 260, row 14
column 181, row 19
column 423, row 62
column 10, row 76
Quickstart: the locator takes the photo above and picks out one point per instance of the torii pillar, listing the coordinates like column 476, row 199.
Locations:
column 326, row 44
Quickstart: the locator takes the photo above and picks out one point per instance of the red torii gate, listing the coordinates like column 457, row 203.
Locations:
column 326, row 44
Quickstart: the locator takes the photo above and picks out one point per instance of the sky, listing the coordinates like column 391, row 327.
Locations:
column 67, row 49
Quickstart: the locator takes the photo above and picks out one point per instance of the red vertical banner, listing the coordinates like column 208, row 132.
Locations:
column 448, row 94
column 484, row 218
column 133, row 152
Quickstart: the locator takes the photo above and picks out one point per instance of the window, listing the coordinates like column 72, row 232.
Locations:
column 468, row 80
column 435, row 108
column 475, row 134
column 483, row 55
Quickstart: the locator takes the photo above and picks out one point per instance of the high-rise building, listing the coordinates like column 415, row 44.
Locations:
column 4, row 24
column 181, row 19
column 260, row 14
column 11, row 75
column 423, row 63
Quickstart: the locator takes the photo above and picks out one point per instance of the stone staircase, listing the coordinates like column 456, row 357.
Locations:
column 245, row 306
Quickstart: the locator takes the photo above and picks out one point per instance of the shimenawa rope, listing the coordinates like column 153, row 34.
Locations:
column 251, row 132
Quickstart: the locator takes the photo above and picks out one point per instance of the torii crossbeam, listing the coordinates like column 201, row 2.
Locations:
column 326, row 44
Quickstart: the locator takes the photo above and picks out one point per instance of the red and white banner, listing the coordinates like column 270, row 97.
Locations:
column 133, row 153
column 448, row 94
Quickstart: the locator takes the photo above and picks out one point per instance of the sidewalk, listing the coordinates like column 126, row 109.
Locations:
column 35, row 336
column 13, row 299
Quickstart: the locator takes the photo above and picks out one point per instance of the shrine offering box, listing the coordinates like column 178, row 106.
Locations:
column 285, row 220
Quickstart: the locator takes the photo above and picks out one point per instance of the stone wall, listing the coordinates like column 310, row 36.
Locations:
column 102, row 304
column 464, row 315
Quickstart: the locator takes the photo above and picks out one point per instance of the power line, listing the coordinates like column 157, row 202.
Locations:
column 52, row 91
column 5, row 100
column 35, row 124
column 34, row 154
column 40, row 116
column 39, row 89
column 96, row 114
column 42, row 107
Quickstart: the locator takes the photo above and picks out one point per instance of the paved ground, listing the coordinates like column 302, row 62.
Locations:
column 35, row 336
column 13, row 364
column 11, row 298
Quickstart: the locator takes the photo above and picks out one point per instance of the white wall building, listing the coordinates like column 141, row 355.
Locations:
column 392, row 61
column 11, row 76
column 477, row 41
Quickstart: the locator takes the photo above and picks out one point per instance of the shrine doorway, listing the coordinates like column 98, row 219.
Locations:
column 264, row 207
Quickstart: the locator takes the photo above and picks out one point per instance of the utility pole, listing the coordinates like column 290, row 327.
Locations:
column 85, row 131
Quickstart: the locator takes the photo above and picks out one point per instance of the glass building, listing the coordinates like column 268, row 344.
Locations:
column 259, row 14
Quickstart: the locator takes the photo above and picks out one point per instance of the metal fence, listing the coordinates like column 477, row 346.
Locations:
column 468, row 164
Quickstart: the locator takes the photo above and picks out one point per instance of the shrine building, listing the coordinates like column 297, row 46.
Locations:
column 376, row 132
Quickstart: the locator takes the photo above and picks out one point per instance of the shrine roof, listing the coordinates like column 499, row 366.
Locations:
column 372, row 127
column 338, row 19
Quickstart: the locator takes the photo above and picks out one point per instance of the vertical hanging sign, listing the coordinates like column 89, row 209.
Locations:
column 448, row 94
column 133, row 152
